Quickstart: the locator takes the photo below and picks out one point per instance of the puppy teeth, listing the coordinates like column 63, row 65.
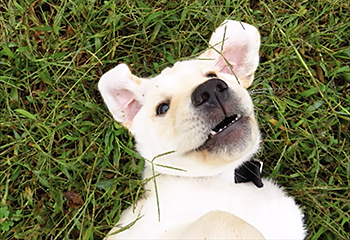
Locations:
column 238, row 116
column 226, row 124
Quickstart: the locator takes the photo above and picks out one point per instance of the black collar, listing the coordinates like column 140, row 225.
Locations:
column 249, row 172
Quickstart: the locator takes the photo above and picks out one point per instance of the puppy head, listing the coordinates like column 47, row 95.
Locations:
column 199, row 108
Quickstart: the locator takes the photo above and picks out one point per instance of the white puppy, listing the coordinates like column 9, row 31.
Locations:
column 195, row 124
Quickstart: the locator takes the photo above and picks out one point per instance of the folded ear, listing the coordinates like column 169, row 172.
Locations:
column 235, row 43
column 122, row 93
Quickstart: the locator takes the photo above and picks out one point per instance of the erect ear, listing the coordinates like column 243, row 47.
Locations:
column 122, row 93
column 235, row 43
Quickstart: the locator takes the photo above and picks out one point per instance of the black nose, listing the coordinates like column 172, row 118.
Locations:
column 213, row 93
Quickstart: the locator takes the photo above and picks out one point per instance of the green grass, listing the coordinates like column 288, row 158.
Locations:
column 56, row 135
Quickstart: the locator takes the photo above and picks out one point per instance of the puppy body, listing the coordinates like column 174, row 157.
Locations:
column 195, row 124
column 184, row 201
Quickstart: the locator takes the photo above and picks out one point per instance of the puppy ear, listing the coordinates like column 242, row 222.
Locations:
column 122, row 93
column 235, row 43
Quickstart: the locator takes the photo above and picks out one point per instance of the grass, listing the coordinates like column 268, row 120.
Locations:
column 67, row 169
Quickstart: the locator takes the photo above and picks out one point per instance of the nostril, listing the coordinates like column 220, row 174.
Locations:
column 222, row 86
column 205, row 97
column 199, row 99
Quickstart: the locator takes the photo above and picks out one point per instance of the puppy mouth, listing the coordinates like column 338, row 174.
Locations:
column 228, row 131
column 224, row 124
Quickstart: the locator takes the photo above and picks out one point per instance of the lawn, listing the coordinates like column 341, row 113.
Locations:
column 67, row 170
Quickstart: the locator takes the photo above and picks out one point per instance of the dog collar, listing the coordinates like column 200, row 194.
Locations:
column 249, row 171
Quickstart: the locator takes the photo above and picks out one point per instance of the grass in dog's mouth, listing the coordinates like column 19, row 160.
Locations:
column 228, row 121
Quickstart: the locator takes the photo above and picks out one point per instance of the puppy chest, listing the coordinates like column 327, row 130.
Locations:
column 180, row 199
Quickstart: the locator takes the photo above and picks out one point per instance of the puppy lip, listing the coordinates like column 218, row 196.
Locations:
column 225, row 126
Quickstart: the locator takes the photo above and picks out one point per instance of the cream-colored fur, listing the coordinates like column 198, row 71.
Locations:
column 198, row 198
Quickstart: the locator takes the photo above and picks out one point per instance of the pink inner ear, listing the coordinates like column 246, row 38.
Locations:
column 133, row 106
column 126, row 102
column 235, row 56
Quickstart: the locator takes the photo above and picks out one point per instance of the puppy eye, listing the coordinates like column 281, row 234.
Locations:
column 162, row 108
column 211, row 75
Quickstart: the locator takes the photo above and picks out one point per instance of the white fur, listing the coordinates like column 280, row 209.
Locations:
column 182, row 201
column 197, row 196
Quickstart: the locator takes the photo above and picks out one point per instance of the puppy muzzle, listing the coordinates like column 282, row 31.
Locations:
column 223, row 111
